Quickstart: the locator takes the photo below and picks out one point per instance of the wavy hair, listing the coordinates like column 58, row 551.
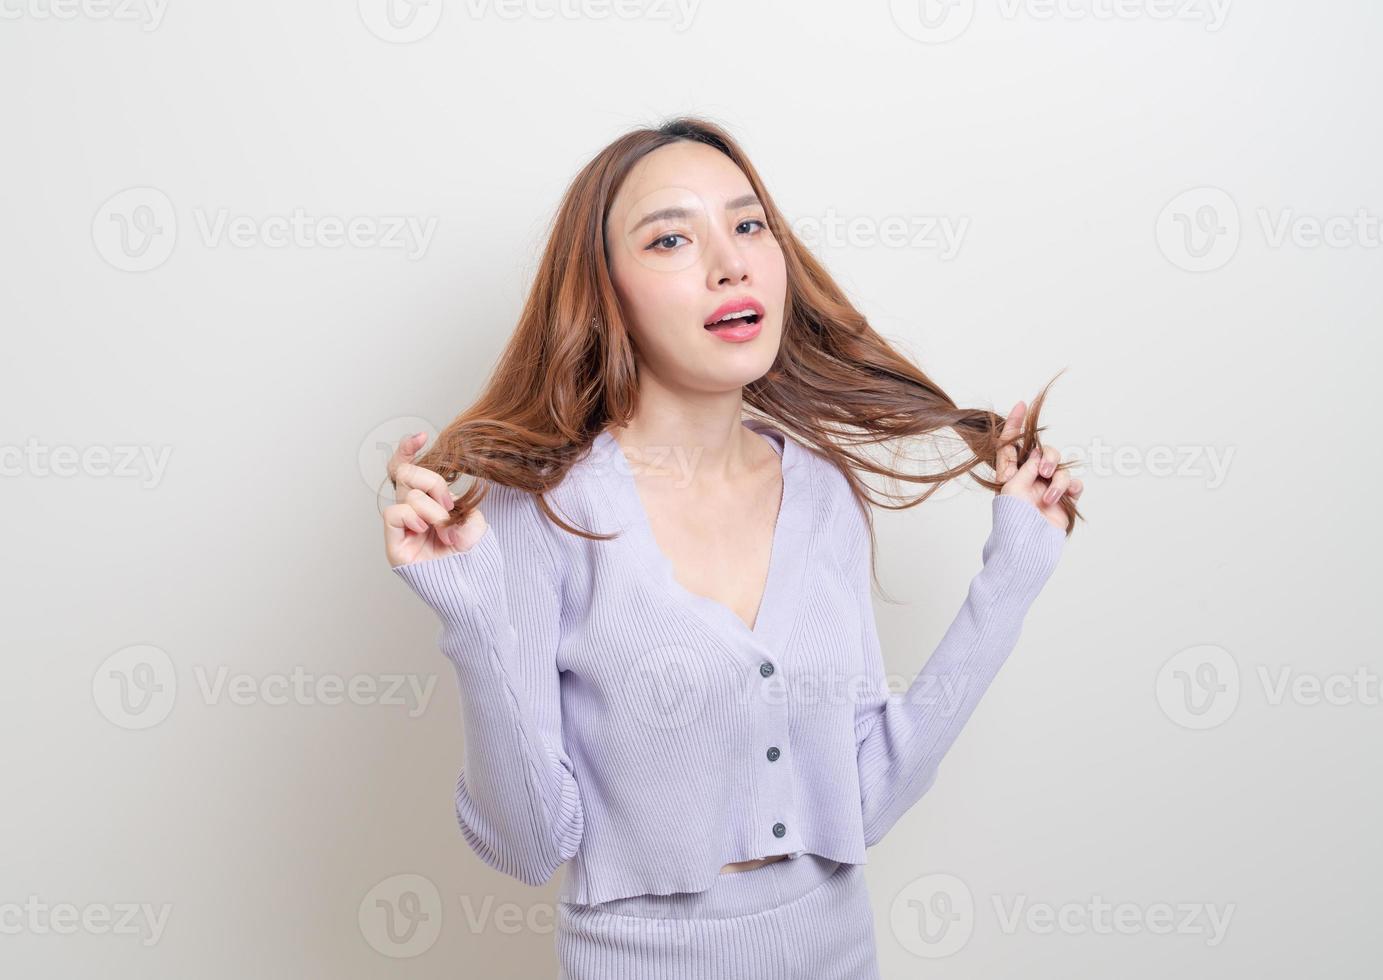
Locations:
column 568, row 371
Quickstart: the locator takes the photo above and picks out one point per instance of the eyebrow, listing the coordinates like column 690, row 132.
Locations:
column 663, row 214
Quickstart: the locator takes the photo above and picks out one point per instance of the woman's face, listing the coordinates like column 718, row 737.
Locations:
column 685, row 237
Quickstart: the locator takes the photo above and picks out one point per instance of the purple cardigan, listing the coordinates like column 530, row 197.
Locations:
column 645, row 736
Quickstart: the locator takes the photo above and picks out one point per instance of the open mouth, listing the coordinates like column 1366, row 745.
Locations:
column 748, row 317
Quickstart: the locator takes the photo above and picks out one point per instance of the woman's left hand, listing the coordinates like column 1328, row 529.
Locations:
column 1038, row 480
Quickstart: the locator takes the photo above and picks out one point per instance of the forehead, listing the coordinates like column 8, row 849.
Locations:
column 678, row 173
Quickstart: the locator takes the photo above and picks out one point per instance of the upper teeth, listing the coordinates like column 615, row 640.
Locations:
column 731, row 316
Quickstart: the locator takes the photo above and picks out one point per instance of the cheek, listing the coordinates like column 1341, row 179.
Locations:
column 666, row 302
column 660, row 310
column 637, row 292
column 775, row 270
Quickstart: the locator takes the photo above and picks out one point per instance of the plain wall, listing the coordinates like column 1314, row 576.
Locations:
column 194, row 426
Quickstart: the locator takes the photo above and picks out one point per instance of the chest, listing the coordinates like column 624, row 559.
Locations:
column 719, row 547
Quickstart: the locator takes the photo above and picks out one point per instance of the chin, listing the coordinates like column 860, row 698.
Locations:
column 748, row 368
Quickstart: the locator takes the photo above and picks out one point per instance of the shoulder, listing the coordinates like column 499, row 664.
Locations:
column 837, row 504
column 841, row 518
column 514, row 521
column 576, row 500
column 517, row 519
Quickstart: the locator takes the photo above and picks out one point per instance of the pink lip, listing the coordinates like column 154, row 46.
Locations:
column 734, row 306
column 738, row 333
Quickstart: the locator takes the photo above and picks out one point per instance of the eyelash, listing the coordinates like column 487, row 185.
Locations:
column 651, row 247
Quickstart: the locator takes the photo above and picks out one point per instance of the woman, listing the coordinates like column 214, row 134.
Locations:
column 670, row 677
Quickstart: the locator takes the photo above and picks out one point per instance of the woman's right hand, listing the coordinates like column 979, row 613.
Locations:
column 411, row 526
column 1040, row 477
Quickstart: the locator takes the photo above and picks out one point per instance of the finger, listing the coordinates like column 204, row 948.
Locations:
column 427, row 508
column 399, row 521
column 400, row 518
column 404, row 452
column 1060, row 481
column 410, row 475
column 1014, row 423
column 1050, row 457
column 463, row 536
column 1024, row 479
column 1008, row 455
column 1077, row 485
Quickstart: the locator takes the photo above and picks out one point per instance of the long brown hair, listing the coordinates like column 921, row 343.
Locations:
column 568, row 370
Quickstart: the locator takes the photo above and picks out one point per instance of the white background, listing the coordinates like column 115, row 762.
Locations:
column 1122, row 172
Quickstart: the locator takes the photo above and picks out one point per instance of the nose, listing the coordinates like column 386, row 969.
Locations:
column 727, row 262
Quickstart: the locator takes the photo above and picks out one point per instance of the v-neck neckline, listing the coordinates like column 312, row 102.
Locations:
column 788, row 551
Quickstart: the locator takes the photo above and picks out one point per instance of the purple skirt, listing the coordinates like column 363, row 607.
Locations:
column 787, row 920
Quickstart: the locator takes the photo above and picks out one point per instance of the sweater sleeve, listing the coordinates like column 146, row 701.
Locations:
column 517, row 800
column 902, row 739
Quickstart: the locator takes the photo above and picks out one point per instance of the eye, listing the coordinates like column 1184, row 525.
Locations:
column 653, row 246
column 763, row 226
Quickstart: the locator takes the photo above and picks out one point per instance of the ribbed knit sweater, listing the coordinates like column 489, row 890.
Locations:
column 645, row 736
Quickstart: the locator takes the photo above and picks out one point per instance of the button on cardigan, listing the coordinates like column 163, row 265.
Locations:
column 645, row 736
